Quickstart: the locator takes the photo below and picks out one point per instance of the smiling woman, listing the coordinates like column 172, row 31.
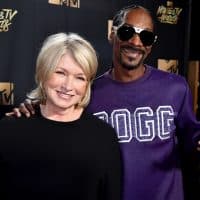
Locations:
column 66, row 66
column 64, row 90
column 62, row 152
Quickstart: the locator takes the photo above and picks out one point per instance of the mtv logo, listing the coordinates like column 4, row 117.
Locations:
column 73, row 3
column 68, row 3
column 110, row 23
column 6, row 93
column 57, row 2
column 168, row 65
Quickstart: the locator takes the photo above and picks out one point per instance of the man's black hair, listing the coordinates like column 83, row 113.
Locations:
column 119, row 16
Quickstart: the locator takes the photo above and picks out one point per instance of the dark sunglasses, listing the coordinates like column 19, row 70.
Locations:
column 126, row 32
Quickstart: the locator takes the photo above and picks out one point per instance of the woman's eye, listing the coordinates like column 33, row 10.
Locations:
column 81, row 78
column 60, row 72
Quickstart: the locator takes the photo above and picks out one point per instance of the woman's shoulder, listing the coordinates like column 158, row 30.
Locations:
column 12, row 121
column 90, row 117
column 97, row 125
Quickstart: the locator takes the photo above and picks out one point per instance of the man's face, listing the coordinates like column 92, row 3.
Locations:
column 131, row 54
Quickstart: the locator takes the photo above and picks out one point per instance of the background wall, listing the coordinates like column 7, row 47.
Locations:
column 195, row 32
column 24, row 24
column 194, row 50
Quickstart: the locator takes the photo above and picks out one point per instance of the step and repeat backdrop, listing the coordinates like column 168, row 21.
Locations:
column 24, row 24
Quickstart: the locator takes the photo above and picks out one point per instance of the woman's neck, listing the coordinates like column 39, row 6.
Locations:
column 61, row 114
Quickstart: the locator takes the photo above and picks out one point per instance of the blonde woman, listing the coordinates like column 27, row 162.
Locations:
column 62, row 152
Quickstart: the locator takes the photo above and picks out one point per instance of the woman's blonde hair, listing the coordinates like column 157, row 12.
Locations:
column 54, row 47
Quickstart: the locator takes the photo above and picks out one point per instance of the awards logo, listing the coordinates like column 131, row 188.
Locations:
column 6, row 17
column 168, row 14
column 6, row 93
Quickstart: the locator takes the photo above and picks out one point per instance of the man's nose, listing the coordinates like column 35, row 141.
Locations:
column 135, row 40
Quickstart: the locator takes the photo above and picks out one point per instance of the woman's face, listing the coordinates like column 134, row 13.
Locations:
column 67, row 85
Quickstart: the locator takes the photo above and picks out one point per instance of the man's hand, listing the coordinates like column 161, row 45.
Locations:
column 26, row 108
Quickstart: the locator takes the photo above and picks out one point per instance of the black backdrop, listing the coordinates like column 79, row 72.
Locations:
column 22, row 33
column 24, row 24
